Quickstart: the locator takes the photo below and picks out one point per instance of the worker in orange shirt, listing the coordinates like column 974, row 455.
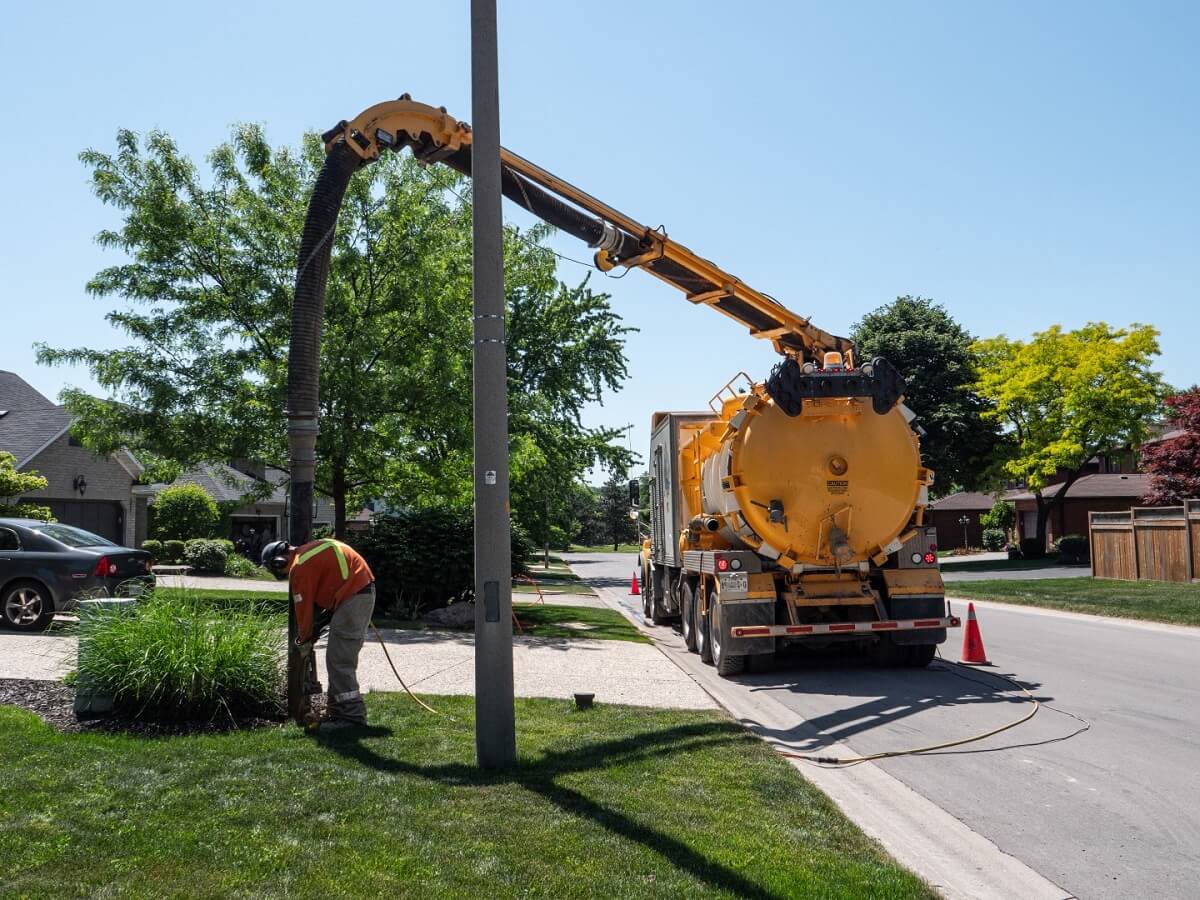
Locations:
column 330, row 575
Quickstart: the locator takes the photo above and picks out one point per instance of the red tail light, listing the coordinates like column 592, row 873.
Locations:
column 104, row 567
column 722, row 564
column 930, row 558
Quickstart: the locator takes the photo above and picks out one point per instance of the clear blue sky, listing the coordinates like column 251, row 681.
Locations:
column 1024, row 164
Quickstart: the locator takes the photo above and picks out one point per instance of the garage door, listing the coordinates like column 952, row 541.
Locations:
column 102, row 517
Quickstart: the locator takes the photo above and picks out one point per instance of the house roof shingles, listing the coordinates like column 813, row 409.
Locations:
column 964, row 500
column 1133, row 486
column 29, row 421
column 226, row 484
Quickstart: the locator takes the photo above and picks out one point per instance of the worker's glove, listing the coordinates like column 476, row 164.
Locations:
column 304, row 649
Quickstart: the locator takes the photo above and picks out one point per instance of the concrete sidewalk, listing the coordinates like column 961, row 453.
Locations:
column 443, row 662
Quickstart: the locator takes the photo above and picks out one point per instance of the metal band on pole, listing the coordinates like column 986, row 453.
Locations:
column 495, row 728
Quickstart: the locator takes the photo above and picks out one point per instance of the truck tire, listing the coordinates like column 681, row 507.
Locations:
column 687, row 615
column 887, row 653
column 919, row 655
column 727, row 663
column 647, row 593
column 703, row 644
column 657, row 614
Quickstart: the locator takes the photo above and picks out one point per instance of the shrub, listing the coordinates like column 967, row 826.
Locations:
column 154, row 548
column 173, row 551
column 206, row 556
column 1002, row 515
column 185, row 511
column 1031, row 548
column 237, row 566
column 1072, row 549
column 424, row 558
column 994, row 539
column 173, row 660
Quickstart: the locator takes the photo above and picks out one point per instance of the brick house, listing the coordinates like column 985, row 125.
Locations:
column 89, row 491
column 262, row 493
column 947, row 512
column 104, row 494
column 1098, row 492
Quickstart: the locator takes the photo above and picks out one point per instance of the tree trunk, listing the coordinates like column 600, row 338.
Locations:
column 339, row 500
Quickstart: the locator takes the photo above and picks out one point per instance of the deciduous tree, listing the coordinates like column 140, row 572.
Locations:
column 207, row 282
column 1066, row 397
column 933, row 353
column 1174, row 463
column 14, row 484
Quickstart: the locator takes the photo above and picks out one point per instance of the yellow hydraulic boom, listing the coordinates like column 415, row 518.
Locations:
column 436, row 136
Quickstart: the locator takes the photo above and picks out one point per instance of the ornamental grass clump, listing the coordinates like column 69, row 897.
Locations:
column 176, row 658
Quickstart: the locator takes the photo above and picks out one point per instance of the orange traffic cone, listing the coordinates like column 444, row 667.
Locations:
column 973, row 653
column 634, row 589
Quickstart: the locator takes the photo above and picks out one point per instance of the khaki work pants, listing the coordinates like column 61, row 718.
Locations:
column 347, row 631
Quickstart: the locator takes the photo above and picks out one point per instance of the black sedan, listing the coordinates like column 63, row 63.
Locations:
column 45, row 567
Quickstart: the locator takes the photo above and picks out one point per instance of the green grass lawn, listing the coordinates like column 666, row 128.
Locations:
column 1000, row 565
column 606, row 548
column 553, row 621
column 613, row 802
column 1158, row 601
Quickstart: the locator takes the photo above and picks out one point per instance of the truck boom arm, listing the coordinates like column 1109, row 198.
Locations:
column 435, row 136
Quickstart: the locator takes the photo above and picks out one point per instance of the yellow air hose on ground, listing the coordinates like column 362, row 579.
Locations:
column 835, row 761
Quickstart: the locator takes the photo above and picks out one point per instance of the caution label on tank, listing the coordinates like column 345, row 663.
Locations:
column 837, row 486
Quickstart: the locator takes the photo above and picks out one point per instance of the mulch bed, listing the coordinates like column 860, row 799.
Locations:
column 55, row 703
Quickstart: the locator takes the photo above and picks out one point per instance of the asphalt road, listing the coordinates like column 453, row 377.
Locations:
column 1112, row 811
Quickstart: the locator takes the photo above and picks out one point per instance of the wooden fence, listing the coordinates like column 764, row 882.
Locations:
column 1153, row 543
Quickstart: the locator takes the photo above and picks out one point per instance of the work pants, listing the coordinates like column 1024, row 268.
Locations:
column 347, row 631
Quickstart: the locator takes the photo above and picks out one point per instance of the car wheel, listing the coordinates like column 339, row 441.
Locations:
column 687, row 615
column 727, row 664
column 26, row 606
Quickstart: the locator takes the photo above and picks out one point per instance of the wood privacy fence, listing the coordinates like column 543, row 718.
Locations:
column 1154, row 543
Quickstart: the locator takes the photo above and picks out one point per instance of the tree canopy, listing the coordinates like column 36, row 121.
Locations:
column 1174, row 463
column 933, row 353
column 14, row 484
column 207, row 285
column 1067, row 397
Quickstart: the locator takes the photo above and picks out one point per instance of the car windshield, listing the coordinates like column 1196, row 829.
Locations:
column 74, row 537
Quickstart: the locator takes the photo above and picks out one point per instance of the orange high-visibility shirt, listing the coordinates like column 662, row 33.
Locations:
column 324, row 573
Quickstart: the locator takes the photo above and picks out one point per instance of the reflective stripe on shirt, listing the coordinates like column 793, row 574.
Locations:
column 327, row 545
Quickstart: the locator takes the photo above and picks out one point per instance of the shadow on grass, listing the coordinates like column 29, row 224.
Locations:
column 540, row 777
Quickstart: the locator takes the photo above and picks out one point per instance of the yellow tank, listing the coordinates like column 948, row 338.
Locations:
column 834, row 486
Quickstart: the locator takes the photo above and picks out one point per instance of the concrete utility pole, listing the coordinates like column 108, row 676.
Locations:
column 495, row 726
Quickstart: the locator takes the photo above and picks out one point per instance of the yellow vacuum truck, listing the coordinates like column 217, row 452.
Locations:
column 791, row 509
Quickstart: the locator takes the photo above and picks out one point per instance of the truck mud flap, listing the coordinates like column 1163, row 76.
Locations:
column 738, row 614
column 918, row 608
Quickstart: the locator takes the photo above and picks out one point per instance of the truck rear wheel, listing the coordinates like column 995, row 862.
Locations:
column 727, row 663
column 919, row 655
column 687, row 614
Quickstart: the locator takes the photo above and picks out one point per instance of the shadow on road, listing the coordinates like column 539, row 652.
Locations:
column 875, row 697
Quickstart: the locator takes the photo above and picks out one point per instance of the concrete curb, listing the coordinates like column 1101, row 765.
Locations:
column 959, row 863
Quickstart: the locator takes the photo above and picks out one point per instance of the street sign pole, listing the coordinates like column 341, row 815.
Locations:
column 495, row 726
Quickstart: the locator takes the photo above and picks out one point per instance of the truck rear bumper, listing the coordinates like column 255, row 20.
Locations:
column 892, row 625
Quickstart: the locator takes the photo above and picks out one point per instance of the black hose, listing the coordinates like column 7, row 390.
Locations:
column 308, row 314
column 527, row 195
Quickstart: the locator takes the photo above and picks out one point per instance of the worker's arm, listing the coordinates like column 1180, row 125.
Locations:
column 436, row 136
column 302, row 596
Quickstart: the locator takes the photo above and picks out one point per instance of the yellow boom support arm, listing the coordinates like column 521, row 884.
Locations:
column 436, row 136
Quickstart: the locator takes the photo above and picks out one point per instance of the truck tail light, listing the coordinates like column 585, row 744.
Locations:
column 930, row 558
column 722, row 564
